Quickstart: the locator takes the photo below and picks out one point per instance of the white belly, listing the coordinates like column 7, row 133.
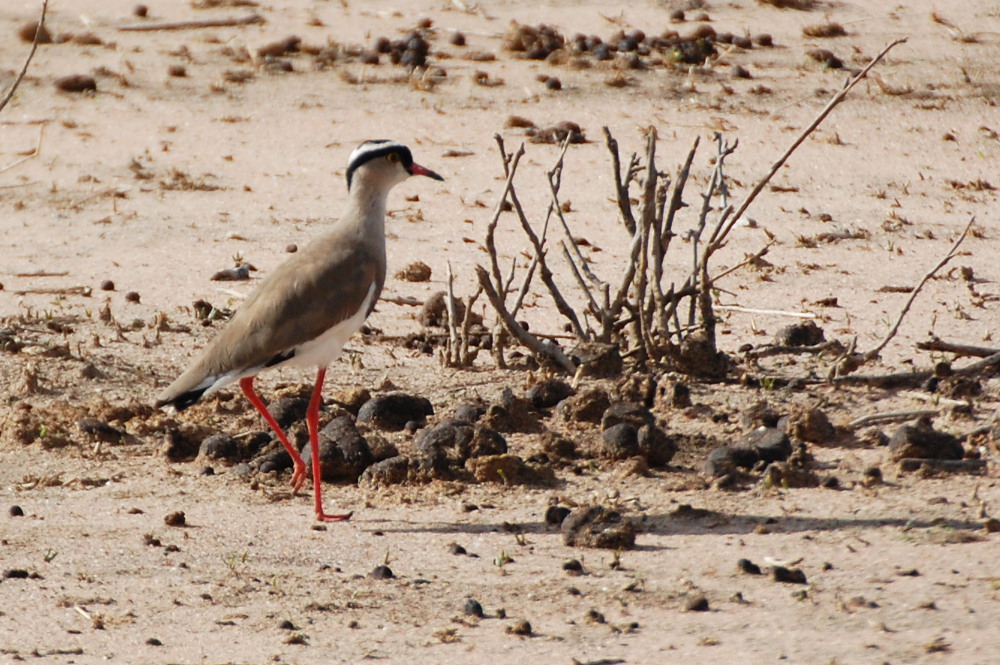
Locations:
column 326, row 348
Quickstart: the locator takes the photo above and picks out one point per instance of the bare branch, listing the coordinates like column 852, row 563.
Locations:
column 723, row 231
column 621, row 186
column 871, row 355
column 548, row 351
column 937, row 344
column 250, row 19
column 39, row 29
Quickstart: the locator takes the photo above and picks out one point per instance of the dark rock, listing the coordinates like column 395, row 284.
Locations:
column 381, row 448
column 17, row 511
column 698, row 356
column 287, row 45
column 219, row 446
column 392, row 471
column 686, row 511
column 381, row 573
column 473, row 608
column 435, row 311
column 771, row 444
column 656, row 446
column 921, row 440
column 601, row 361
column 101, row 431
column 555, row 515
column 179, row 443
column 392, row 411
column 343, row 453
column 28, row 31
column 176, row 518
column 519, row 627
column 725, row 460
column 452, row 442
column 749, row 567
column 788, row 575
column 512, row 415
column 796, row 471
column 596, row 526
column 469, row 412
column 456, row 549
column 573, row 567
column 288, row 410
column 676, row 394
column 619, row 442
column 638, row 387
column 632, row 413
column 546, row 394
column 558, row 446
column 826, row 57
column 812, row 425
column 586, row 406
column 76, row 83
column 418, row 271
column 509, row 470
column 806, row 333
column 829, row 482
column 696, row 603
column 871, row 476
column 760, row 414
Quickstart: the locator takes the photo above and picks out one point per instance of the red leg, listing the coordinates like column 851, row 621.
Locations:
column 312, row 420
column 299, row 473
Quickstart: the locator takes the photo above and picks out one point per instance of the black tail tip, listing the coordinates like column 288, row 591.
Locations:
column 182, row 401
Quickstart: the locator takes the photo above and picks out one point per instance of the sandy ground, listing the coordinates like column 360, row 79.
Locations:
column 157, row 181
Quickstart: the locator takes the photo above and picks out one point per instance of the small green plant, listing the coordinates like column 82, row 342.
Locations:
column 237, row 563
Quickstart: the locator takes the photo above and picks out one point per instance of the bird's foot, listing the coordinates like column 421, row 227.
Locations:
column 298, row 478
column 326, row 517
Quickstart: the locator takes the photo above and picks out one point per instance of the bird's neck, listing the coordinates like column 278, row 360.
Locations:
column 366, row 209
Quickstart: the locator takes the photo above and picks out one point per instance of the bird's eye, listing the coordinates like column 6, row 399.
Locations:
column 392, row 158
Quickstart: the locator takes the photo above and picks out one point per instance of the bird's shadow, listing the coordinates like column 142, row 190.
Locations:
column 682, row 523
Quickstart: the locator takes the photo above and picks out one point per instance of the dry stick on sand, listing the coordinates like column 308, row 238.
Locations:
column 723, row 230
column 517, row 330
column 938, row 344
column 251, row 19
column 31, row 54
column 871, row 355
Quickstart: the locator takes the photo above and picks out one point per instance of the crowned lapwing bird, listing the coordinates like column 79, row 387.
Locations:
column 304, row 311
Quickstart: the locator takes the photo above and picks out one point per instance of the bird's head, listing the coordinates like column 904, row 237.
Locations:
column 385, row 163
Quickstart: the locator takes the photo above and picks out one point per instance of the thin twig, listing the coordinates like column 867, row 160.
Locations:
column 251, row 19
column 776, row 312
column 890, row 417
column 871, row 355
column 783, row 349
column 837, row 99
column 451, row 350
column 621, row 187
column 549, row 351
column 937, row 344
column 545, row 272
column 34, row 153
column 39, row 29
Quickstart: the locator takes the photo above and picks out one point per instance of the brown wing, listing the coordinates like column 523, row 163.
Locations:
column 317, row 288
